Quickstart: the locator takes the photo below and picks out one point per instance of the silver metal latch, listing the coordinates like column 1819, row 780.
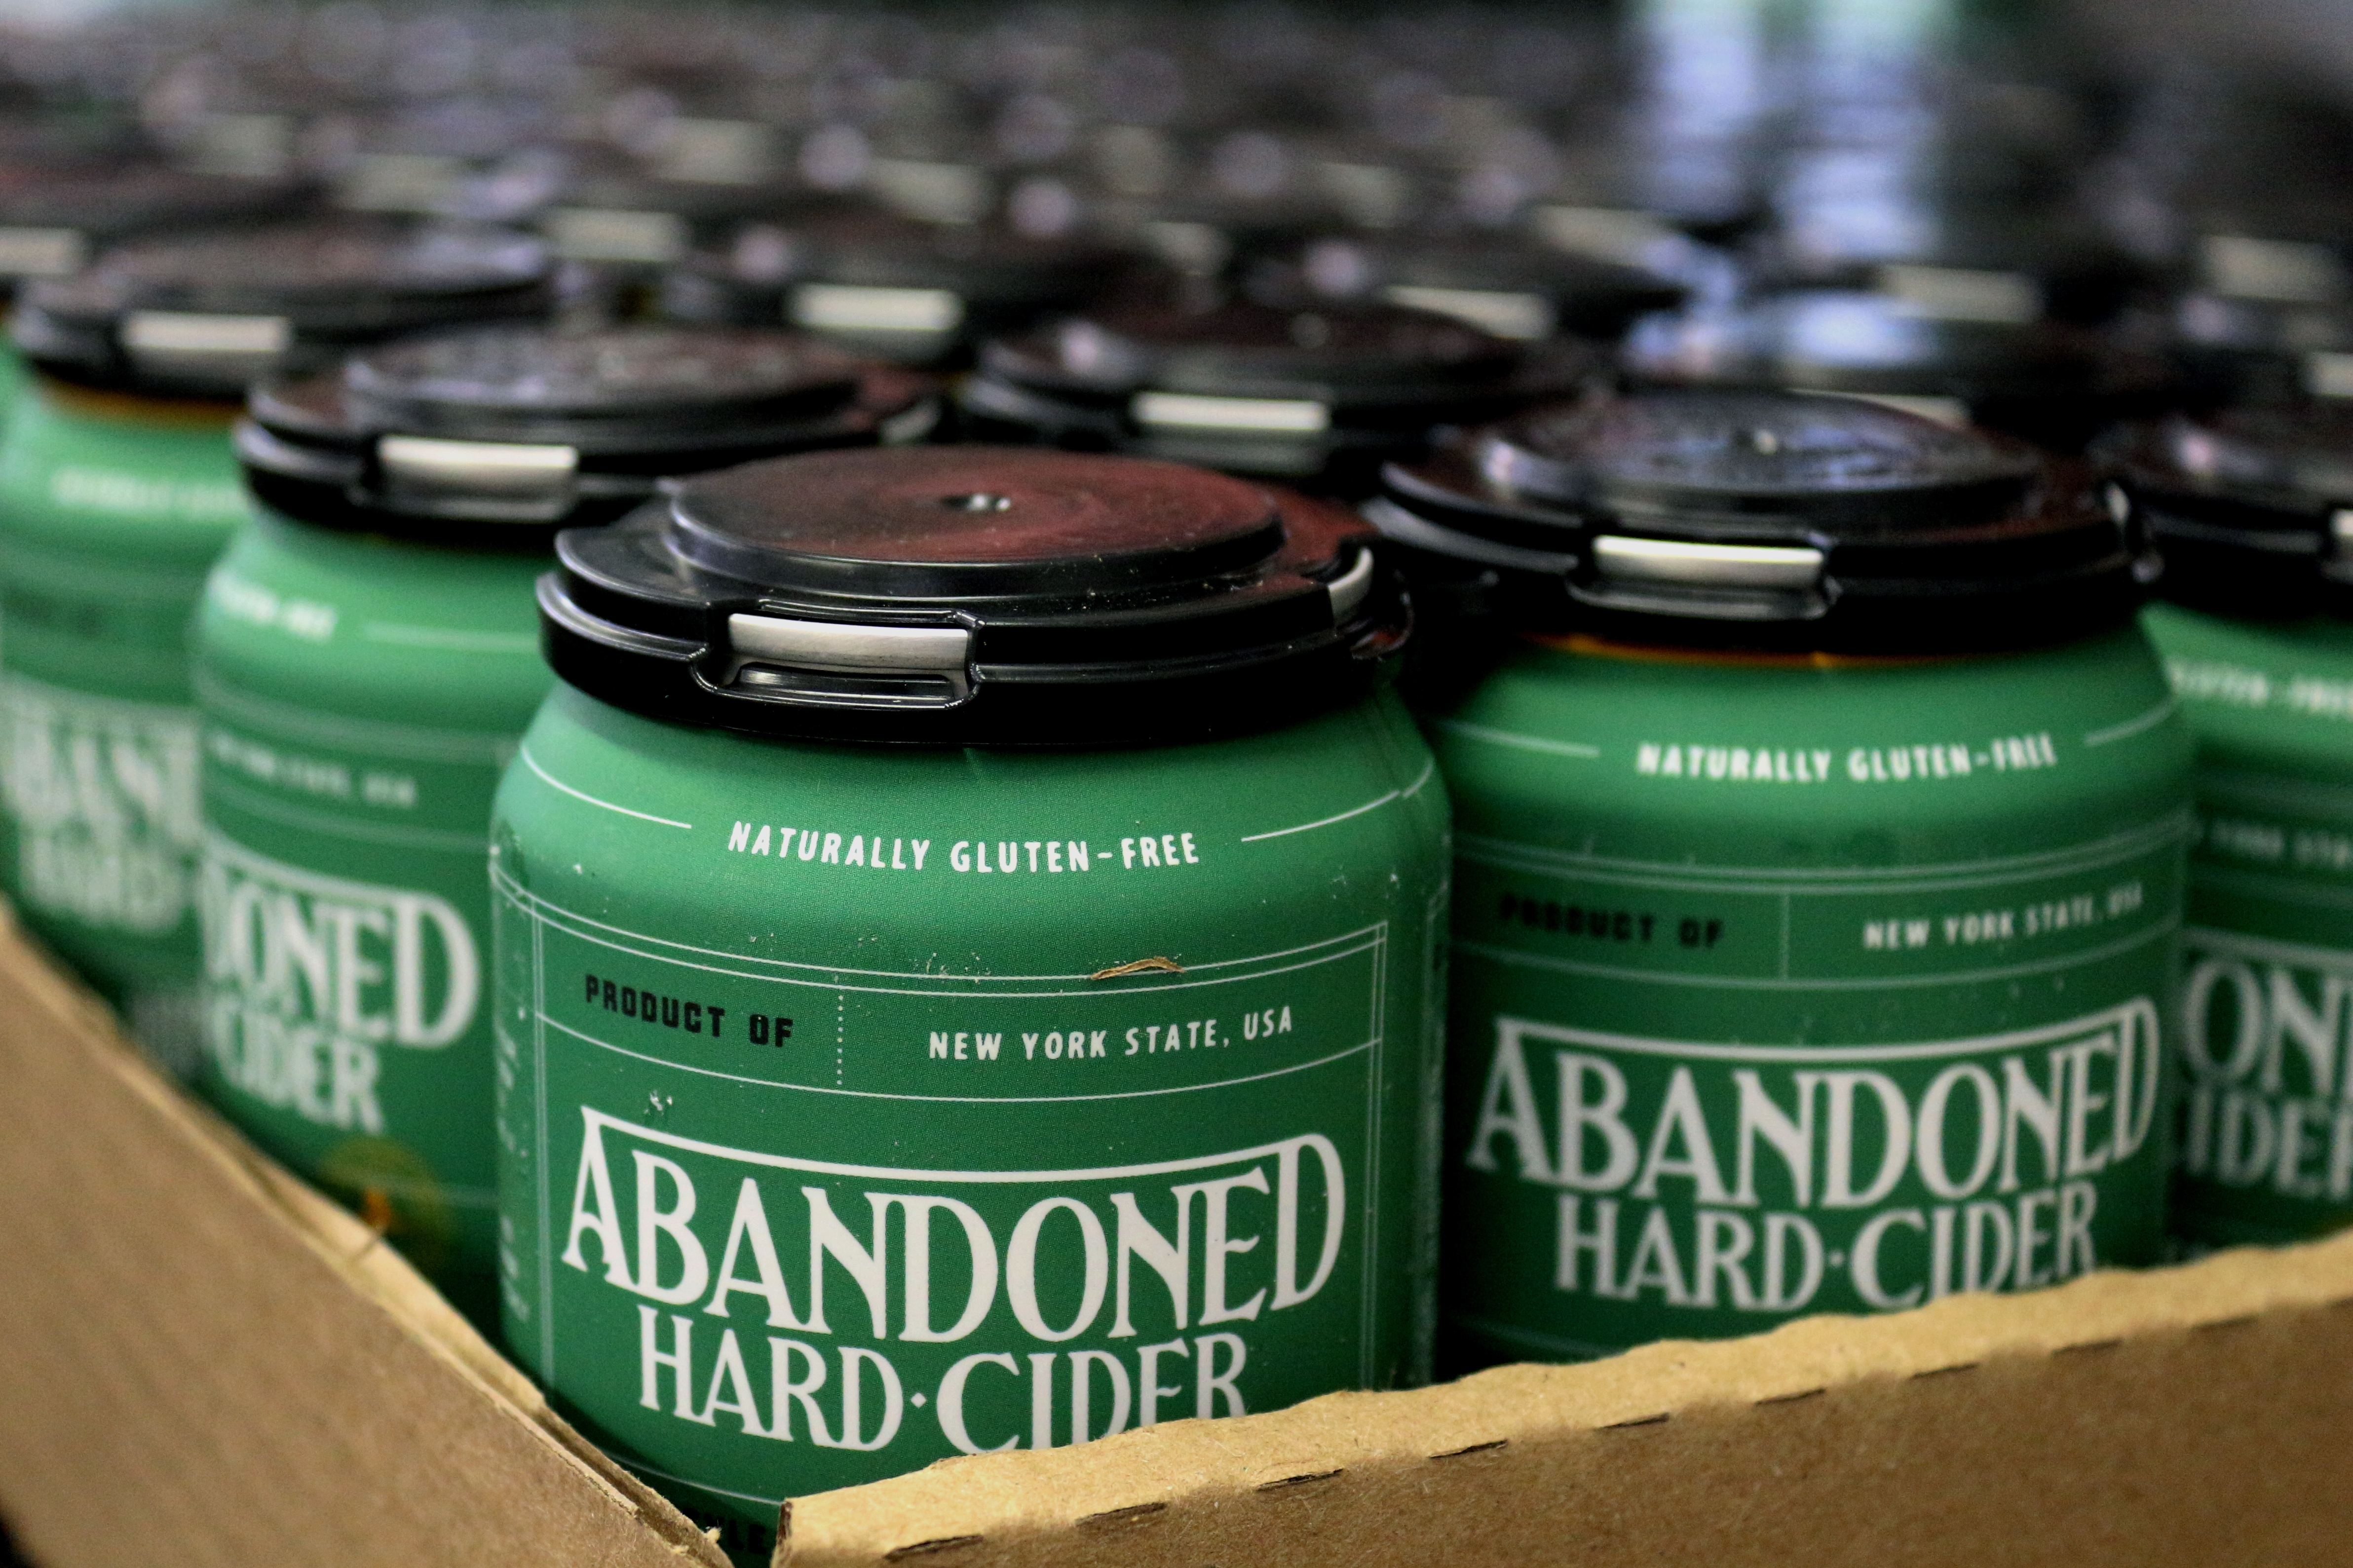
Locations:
column 1351, row 588
column 1253, row 415
column 1500, row 312
column 1715, row 582
column 496, row 479
column 218, row 344
column 27, row 252
column 616, row 234
column 857, row 307
column 1774, row 569
column 840, row 665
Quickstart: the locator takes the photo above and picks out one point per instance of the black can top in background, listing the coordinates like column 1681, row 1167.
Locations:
column 1764, row 520
column 1314, row 395
column 2250, row 506
column 56, row 218
column 917, row 292
column 205, row 314
column 1509, row 287
column 1977, row 352
column 499, row 435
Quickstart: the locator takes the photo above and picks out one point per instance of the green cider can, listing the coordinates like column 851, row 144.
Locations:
column 367, row 657
column 1820, row 870
column 118, row 489
column 2247, row 507
column 967, row 969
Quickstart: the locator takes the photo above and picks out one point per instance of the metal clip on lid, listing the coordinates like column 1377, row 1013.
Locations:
column 29, row 252
column 1247, row 416
column 1728, row 582
column 842, row 664
column 861, row 308
column 528, row 483
column 238, row 347
column 1351, row 588
column 2340, row 543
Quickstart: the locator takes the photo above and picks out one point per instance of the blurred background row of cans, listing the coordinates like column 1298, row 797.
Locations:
column 2002, row 210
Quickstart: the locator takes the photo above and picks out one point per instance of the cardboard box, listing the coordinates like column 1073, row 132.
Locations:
column 203, row 1363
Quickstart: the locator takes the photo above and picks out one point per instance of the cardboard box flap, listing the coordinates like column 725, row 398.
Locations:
column 2188, row 1415
column 201, row 1357
column 374, row 1267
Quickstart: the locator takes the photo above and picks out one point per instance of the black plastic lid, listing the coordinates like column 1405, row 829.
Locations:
column 2250, row 508
column 53, row 219
column 2240, row 351
column 984, row 264
column 205, row 314
column 2046, row 382
column 1511, row 288
column 2014, row 262
column 917, row 292
column 633, row 221
column 1250, row 387
column 521, row 425
column 1343, row 355
column 973, row 596
column 1209, row 233
column 1778, row 519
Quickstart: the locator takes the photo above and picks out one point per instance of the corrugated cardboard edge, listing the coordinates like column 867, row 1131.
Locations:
column 113, row 1451
column 2192, row 1414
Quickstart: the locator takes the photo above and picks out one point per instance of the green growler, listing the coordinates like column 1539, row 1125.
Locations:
column 118, row 488
column 2247, row 507
column 1817, row 893
column 367, row 656
column 966, row 968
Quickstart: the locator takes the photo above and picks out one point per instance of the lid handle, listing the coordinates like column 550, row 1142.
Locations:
column 1253, row 415
column 218, row 343
column 41, row 252
column 500, row 479
column 1349, row 590
column 857, row 307
column 1780, row 569
column 830, row 663
column 833, row 645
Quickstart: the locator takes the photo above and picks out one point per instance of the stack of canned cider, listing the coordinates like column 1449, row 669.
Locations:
column 880, row 825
